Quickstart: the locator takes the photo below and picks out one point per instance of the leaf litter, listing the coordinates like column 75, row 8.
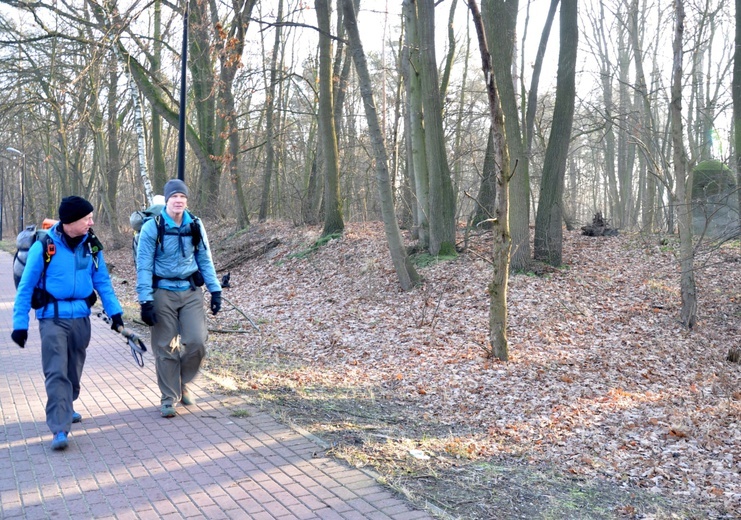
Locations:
column 607, row 408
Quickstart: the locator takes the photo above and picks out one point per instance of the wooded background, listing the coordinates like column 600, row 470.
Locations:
column 277, row 129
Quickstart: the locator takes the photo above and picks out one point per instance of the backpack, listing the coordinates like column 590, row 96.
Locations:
column 25, row 240
column 138, row 218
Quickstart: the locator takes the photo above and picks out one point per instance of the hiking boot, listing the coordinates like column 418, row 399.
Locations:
column 60, row 441
column 188, row 399
column 76, row 417
column 168, row 411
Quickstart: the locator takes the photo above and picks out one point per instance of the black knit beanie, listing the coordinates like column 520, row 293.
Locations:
column 175, row 186
column 74, row 208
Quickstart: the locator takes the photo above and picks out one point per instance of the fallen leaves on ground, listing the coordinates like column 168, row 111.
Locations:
column 603, row 381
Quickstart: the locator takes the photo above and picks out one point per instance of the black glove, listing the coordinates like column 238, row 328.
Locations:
column 19, row 336
column 116, row 321
column 215, row 302
column 148, row 315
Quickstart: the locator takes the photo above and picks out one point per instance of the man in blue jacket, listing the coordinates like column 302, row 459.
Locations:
column 173, row 261
column 62, row 290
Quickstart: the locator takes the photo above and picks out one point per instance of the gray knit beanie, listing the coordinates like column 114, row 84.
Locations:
column 175, row 186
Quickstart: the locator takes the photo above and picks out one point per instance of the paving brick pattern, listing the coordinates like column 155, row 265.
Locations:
column 124, row 461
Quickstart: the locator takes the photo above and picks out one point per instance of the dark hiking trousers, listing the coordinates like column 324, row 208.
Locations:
column 63, row 352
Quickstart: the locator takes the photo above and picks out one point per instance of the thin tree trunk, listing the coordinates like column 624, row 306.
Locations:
column 548, row 230
column 688, row 313
column 648, row 135
column 450, row 57
column 736, row 89
column 231, row 47
column 405, row 271
column 500, row 19
column 269, row 137
column 441, row 211
column 333, row 220
column 159, row 172
column 417, row 162
column 502, row 242
column 486, row 200
column 114, row 153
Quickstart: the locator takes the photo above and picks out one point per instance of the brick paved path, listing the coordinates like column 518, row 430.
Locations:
column 125, row 461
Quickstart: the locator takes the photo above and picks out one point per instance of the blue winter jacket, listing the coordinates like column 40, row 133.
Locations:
column 173, row 261
column 70, row 277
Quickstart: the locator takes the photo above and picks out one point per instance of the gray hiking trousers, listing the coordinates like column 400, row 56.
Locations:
column 177, row 364
column 63, row 352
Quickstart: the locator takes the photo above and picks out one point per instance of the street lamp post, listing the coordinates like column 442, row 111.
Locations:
column 23, row 182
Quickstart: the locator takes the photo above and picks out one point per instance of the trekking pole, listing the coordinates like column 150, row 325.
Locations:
column 137, row 346
column 242, row 313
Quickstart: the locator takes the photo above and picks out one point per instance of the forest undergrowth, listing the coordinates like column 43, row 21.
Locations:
column 607, row 408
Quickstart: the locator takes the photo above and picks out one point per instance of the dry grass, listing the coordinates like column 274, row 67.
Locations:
column 608, row 408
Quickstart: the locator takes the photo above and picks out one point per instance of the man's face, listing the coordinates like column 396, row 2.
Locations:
column 79, row 227
column 177, row 203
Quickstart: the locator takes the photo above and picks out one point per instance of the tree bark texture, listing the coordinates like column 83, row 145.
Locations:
column 502, row 242
column 405, row 271
column 500, row 22
column 441, row 211
column 417, row 154
column 333, row 220
column 736, row 92
column 269, row 114
column 548, row 230
column 688, row 313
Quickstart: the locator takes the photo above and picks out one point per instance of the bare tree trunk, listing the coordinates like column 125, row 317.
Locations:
column 736, row 89
column 405, row 271
column 269, row 109
column 548, row 231
column 442, row 200
column 486, row 200
column 606, row 68
column 114, row 153
column 502, row 242
column 203, row 87
column 688, row 314
column 417, row 162
column 626, row 116
column 648, row 135
column 231, row 47
column 451, row 52
column 521, row 182
column 333, row 220
column 500, row 19
column 159, row 173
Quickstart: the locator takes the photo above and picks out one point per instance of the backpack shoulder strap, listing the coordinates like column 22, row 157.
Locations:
column 195, row 231
column 93, row 245
column 160, row 223
column 49, row 249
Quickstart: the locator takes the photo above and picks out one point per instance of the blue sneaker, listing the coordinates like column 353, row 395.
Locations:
column 76, row 417
column 168, row 411
column 60, row 441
